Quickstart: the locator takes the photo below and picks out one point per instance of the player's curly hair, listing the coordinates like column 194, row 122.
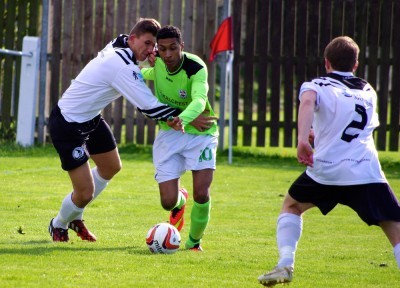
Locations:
column 145, row 25
column 342, row 52
column 170, row 31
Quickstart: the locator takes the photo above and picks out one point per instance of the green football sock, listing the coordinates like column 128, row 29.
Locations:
column 200, row 217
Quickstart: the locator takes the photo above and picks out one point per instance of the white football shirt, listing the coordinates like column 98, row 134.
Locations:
column 114, row 72
column 344, row 120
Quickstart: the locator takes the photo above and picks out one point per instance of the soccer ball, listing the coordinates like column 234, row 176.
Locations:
column 163, row 238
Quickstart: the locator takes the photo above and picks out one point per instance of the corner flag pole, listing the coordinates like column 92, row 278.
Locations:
column 229, row 65
column 223, row 42
column 228, row 84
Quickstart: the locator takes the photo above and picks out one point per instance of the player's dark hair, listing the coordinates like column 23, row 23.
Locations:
column 342, row 52
column 145, row 25
column 170, row 32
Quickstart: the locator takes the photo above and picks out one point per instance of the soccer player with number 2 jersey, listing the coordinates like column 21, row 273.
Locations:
column 343, row 168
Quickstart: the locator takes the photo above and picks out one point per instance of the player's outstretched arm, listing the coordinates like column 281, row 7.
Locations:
column 305, row 153
column 306, row 116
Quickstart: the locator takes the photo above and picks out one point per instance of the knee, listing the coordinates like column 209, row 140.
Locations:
column 110, row 171
column 83, row 197
column 201, row 198
column 292, row 206
column 116, row 168
column 88, row 195
column 168, row 205
column 87, row 198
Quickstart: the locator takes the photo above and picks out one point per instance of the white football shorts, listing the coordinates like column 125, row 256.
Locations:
column 175, row 153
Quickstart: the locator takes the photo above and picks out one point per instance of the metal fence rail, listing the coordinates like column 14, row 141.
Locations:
column 15, row 53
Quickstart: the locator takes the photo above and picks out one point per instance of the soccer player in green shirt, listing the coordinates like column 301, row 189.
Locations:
column 180, row 80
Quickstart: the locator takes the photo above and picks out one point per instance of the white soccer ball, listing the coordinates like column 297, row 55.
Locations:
column 163, row 238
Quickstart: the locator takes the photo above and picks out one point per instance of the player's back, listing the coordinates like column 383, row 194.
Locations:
column 344, row 120
column 93, row 88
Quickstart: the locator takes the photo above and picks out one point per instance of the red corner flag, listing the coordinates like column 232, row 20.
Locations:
column 222, row 41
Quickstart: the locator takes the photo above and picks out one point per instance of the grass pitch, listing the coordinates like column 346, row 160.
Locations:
column 337, row 250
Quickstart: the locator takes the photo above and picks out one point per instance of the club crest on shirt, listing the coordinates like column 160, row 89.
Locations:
column 182, row 94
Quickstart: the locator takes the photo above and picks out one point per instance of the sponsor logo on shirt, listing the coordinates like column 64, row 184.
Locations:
column 345, row 94
column 170, row 100
column 182, row 94
column 137, row 76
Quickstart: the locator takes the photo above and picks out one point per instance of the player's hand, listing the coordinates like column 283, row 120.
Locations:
column 149, row 61
column 305, row 153
column 176, row 124
column 152, row 58
column 311, row 137
column 203, row 122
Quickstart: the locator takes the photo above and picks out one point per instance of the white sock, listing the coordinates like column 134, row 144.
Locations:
column 99, row 185
column 288, row 232
column 68, row 212
column 396, row 251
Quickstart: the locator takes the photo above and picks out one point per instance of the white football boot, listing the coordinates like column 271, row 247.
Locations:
column 276, row 276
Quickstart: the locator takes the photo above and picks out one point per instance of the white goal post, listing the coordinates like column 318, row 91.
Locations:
column 28, row 88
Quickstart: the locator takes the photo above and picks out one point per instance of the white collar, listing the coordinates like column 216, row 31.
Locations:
column 343, row 73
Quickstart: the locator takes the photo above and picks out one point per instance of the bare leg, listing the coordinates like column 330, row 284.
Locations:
column 201, row 185
column 392, row 232
column 108, row 164
column 169, row 191
column 84, row 186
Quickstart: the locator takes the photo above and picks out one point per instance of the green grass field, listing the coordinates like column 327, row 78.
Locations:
column 337, row 250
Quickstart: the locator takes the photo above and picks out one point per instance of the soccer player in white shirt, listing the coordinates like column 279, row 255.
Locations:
column 344, row 167
column 78, row 131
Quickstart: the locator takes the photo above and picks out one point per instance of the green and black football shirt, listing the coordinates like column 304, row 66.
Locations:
column 186, row 89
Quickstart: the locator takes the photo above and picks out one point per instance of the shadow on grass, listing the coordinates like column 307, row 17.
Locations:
column 43, row 247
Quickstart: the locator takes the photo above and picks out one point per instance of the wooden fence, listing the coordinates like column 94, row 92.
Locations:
column 278, row 45
column 73, row 46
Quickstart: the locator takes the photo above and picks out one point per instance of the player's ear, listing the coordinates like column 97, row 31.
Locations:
column 327, row 64
column 355, row 66
column 182, row 45
column 132, row 38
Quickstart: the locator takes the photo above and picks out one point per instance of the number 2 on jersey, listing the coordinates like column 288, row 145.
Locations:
column 356, row 124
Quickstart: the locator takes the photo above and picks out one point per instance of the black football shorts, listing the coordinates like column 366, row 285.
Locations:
column 75, row 142
column 373, row 202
